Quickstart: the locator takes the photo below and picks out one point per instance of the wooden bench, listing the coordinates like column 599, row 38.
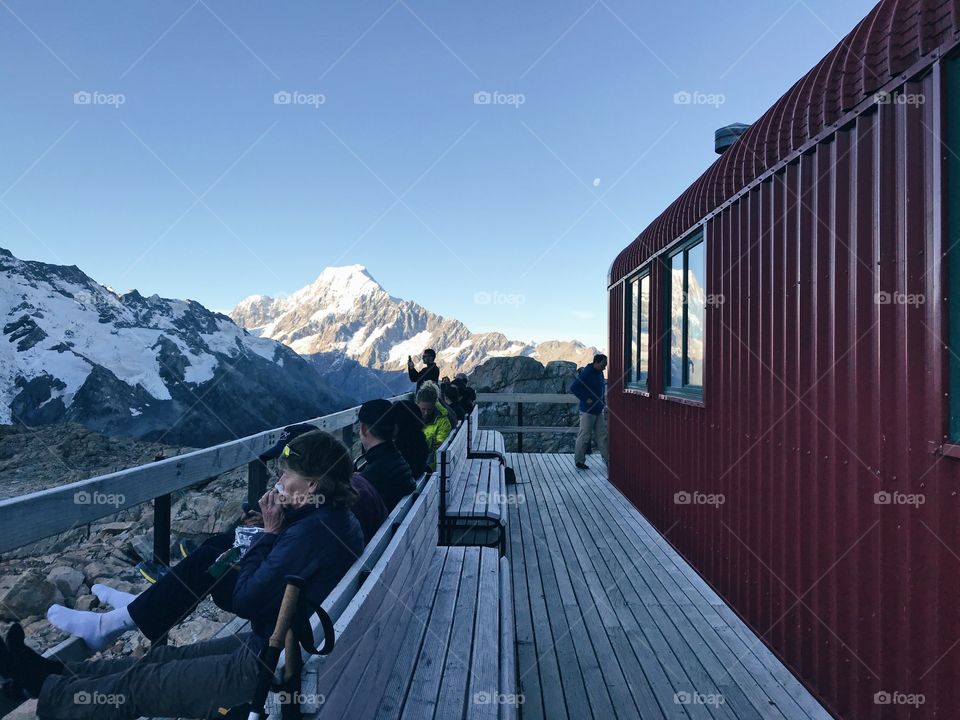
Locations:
column 429, row 634
column 484, row 443
column 473, row 495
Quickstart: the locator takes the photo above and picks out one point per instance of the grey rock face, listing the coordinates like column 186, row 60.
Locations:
column 526, row 375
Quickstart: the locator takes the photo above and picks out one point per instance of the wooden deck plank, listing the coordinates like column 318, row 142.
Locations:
column 606, row 683
column 617, row 619
column 787, row 695
column 539, row 666
column 557, row 636
column 529, row 687
column 677, row 647
column 655, row 627
column 742, row 694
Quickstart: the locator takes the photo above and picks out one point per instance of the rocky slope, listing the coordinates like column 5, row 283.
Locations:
column 527, row 375
column 151, row 368
column 346, row 311
column 358, row 381
column 62, row 569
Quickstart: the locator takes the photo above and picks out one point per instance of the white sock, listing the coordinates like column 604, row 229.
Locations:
column 114, row 598
column 97, row 630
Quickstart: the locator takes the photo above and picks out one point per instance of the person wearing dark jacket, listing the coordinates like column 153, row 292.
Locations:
column 306, row 517
column 468, row 396
column 590, row 388
column 381, row 463
column 409, row 437
column 451, row 398
column 370, row 509
column 429, row 371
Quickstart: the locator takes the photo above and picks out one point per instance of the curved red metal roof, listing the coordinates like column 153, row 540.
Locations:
column 896, row 35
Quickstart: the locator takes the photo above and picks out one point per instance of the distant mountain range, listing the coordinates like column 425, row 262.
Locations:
column 346, row 311
column 145, row 367
column 173, row 371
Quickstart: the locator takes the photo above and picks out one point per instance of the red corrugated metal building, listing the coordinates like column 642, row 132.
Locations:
column 785, row 376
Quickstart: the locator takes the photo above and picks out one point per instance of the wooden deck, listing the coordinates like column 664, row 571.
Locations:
column 612, row 622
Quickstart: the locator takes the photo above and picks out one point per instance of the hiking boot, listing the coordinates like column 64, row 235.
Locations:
column 582, row 466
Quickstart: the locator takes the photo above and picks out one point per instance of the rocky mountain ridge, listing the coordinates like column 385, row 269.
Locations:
column 146, row 367
column 346, row 311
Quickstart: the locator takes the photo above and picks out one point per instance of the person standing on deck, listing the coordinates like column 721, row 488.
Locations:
column 430, row 370
column 590, row 387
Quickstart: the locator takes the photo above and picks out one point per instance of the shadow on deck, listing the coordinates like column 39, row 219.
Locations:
column 612, row 622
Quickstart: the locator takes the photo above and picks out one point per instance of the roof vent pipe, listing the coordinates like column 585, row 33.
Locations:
column 727, row 136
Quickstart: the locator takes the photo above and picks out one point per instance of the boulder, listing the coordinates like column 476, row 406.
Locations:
column 86, row 602
column 30, row 594
column 67, row 579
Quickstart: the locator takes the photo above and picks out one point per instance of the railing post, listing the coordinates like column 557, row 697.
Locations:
column 519, row 424
column 161, row 534
column 256, row 482
column 347, row 436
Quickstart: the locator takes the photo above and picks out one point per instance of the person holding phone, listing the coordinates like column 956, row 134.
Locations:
column 429, row 371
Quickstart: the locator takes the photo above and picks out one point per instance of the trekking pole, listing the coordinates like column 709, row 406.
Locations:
column 270, row 655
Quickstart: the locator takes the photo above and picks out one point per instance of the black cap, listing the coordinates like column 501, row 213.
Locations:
column 288, row 434
column 376, row 412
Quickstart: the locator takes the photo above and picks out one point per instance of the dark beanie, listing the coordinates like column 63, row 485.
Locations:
column 378, row 415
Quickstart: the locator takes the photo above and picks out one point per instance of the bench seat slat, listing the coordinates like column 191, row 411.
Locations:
column 438, row 654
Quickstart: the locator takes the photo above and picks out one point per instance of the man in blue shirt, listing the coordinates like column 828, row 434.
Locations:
column 590, row 387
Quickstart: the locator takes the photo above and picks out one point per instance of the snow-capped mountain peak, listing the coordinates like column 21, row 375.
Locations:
column 345, row 310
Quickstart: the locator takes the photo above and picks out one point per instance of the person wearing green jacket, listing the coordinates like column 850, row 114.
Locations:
column 437, row 424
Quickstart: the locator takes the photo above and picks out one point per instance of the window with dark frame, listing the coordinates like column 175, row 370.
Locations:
column 952, row 201
column 685, row 306
column 637, row 331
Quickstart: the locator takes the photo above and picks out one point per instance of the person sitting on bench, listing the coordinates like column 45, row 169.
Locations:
column 437, row 424
column 368, row 508
column 306, row 520
column 409, row 438
column 381, row 463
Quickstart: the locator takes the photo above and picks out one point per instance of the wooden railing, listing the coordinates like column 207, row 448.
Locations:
column 47, row 513
column 529, row 398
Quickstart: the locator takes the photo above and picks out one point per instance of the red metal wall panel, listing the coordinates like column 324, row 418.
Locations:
column 817, row 397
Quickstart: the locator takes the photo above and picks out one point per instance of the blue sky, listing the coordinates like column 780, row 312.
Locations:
column 186, row 175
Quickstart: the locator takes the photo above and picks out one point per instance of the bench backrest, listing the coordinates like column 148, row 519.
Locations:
column 452, row 455
column 348, row 587
column 473, row 427
column 364, row 632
